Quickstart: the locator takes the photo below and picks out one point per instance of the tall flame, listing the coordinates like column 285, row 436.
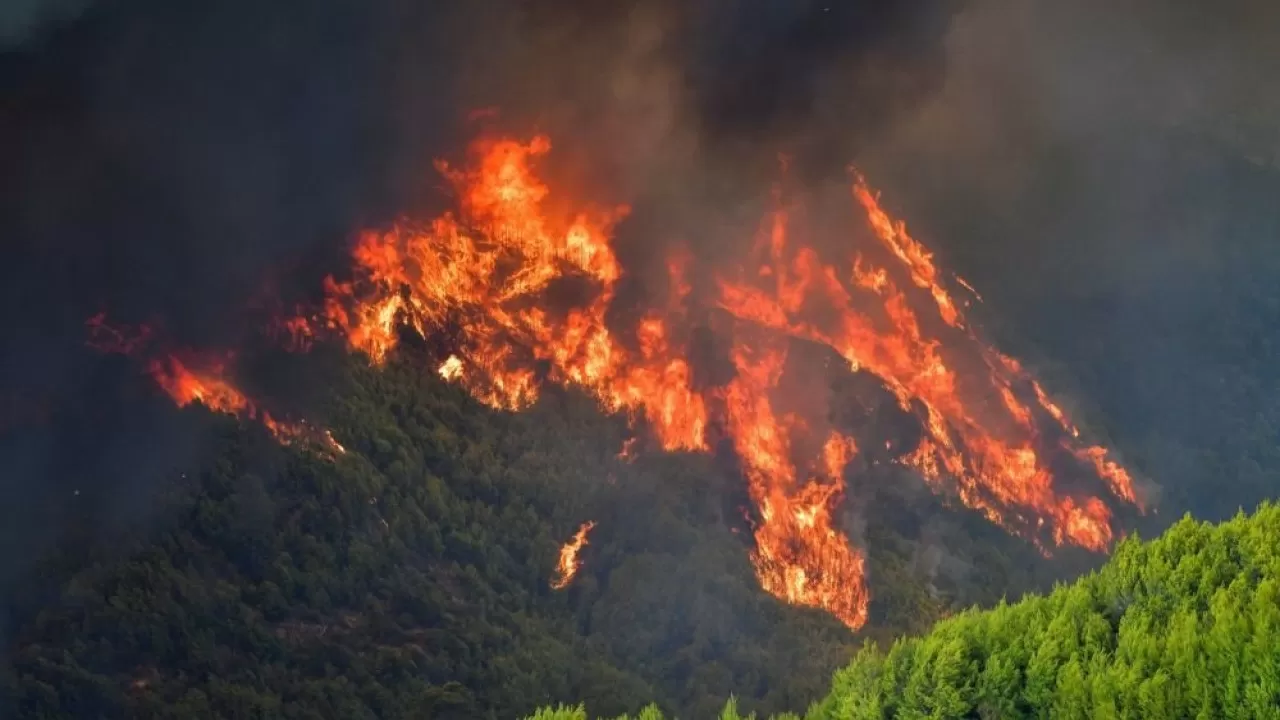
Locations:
column 569, row 563
column 799, row 557
column 489, row 267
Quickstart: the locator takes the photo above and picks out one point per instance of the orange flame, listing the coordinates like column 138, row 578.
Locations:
column 491, row 267
column 912, row 254
column 569, row 563
column 991, row 454
column 799, row 557
column 1119, row 480
column 488, row 267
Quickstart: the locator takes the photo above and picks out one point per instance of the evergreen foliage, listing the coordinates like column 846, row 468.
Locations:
column 1186, row 626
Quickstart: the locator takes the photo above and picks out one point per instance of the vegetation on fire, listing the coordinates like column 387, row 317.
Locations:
column 883, row 307
column 1186, row 626
column 988, row 433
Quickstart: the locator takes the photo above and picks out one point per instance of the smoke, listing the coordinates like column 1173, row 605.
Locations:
column 175, row 155
column 816, row 78
column 186, row 163
column 23, row 21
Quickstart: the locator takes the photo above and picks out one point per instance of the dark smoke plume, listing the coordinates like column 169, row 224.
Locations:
column 183, row 163
column 814, row 77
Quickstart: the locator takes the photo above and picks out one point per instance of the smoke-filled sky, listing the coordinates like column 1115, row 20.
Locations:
column 185, row 162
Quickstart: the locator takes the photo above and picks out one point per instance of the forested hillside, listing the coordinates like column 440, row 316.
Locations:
column 1186, row 626
column 411, row 574
column 245, row 241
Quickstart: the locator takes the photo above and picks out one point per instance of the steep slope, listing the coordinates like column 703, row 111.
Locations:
column 1185, row 626
column 412, row 573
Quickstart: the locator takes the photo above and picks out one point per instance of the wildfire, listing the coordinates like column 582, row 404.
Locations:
column 569, row 563
column 490, row 267
column 912, row 254
column 994, row 455
column 495, row 273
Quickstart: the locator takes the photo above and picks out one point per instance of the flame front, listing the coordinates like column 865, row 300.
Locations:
column 569, row 563
column 491, row 267
column 496, row 272
column 800, row 557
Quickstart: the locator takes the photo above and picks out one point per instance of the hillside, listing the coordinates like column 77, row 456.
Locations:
column 455, row 360
column 412, row 573
column 1185, row 626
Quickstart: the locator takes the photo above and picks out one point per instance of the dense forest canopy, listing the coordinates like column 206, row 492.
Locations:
column 1185, row 626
